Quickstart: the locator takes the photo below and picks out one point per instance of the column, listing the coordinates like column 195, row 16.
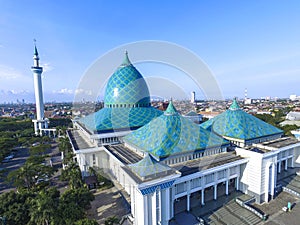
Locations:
column 279, row 166
column 237, row 183
column 188, row 190
column 226, row 187
column 165, row 206
column 273, row 180
column 215, row 191
column 146, row 209
column 172, row 189
column 188, row 202
column 286, row 164
column 202, row 196
column 153, row 208
column 292, row 162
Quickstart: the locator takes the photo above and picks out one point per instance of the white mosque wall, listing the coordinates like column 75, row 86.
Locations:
column 116, row 169
column 259, row 176
column 243, row 143
column 179, row 158
column 251, row 176
column 296, row 153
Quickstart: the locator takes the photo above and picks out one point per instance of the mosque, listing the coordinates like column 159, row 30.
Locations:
column 166, row 163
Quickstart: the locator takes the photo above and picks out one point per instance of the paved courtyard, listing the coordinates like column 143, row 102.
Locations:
column 108, row 203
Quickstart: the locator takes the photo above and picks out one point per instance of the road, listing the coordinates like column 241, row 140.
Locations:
column 19, row 159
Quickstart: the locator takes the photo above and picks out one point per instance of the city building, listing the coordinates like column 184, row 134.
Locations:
column 168, row 164
column 193, row 97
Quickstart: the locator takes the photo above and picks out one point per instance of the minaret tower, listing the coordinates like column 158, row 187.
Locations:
column 40, row 122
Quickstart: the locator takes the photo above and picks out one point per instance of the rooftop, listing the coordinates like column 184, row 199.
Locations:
column 148, row 168
column 206, row 162
column 77, row 141
column 281, row 142
column 125, row 155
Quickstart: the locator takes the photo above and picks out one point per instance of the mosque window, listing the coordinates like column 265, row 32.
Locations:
column 94, row 159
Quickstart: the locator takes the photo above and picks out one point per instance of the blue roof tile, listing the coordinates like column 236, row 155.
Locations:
column 236, row 123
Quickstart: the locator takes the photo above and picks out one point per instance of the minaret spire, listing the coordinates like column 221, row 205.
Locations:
column 35, row 55
column 40, row 122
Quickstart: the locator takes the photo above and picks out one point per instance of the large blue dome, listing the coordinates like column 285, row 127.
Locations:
column 126, row 88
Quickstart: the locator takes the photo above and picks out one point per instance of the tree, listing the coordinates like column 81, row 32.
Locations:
column 72, row 174
column 43, row 207
column 15, row 207
column 28, row 174
column 81, row 197
column 68, row 213
column 39, row 149
column 86, row 222
column 64, row 145
column 111, row 220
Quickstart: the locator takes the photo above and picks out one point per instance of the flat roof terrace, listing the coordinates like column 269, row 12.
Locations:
column 281, row 142
column 207, row 162
column 77, row 141
column 125, row 155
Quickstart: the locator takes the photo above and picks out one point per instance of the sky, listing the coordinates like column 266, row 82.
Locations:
column 253, row 45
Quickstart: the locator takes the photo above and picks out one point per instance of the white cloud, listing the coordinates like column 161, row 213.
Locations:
column 14, row 92
column 9, row 73
column 47, row 67
column 82, row 91
column 63, row 91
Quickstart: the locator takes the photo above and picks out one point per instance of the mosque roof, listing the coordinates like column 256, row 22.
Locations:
column 171, row 134
column 127, row 86
column 108, row 119
column 126, row 103
column 148, row 167
column 236, row 123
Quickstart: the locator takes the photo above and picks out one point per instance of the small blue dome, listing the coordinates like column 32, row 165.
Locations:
column 126, row 88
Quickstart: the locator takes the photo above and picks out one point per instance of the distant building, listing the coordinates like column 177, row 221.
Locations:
column 247, row 101
column 193, row 116
column 294, row 97
column 293, row 116
column 193, row 97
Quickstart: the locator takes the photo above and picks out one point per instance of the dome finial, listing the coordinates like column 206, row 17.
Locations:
column 171, row 110
column 126, row 61
column 234, row 105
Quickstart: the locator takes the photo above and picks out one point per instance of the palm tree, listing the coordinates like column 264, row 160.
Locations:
column 43, row 209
